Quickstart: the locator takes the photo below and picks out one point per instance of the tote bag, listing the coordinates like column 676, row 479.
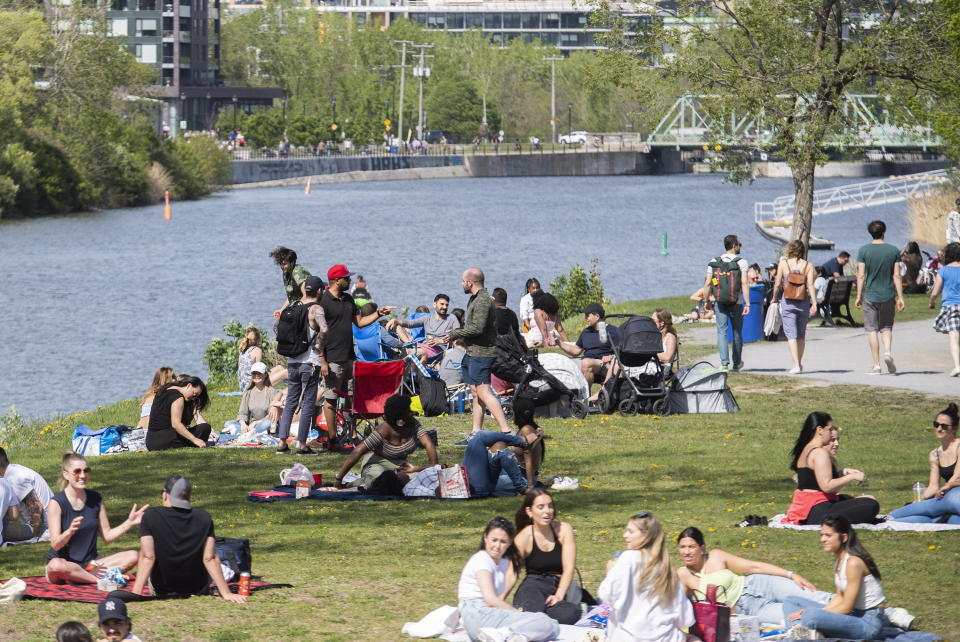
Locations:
column 713, row 618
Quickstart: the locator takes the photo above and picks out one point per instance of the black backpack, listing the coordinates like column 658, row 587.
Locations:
column 433, row 396
column 293, row 329
column 235, row 552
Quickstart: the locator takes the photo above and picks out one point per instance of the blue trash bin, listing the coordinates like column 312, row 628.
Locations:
column 753, row 322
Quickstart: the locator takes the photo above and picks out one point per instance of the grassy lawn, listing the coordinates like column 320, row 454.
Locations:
column 360, row 570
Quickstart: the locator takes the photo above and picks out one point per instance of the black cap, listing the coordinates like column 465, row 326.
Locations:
column 112, row 609
column 313, row 283
column 595, row 308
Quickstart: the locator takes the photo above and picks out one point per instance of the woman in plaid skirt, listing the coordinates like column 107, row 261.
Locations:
column 948, row 321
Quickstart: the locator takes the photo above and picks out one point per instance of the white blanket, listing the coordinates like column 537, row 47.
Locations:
column 777, row 522
column 444, row 623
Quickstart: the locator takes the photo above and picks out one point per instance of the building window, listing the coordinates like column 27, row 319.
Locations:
column 549, row 38
column 454, row 21
column 473, row 21
column 551, row 21
column 436, row 21
column 118, row 5
column 119, row 27
column 573, row 21
column 146, row 53
column 492, row 21
column 531, row 20
column 419, row 18
column 148, row 5
column 146, row 27
column 511, row 21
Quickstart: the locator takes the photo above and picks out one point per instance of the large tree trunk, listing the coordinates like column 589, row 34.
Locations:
column 803, row 176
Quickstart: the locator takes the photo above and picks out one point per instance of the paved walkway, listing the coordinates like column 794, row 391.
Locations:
column 842, row 355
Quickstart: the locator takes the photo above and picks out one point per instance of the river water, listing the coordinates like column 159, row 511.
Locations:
column 91, row 304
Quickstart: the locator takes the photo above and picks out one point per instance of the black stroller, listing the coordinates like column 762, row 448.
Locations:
column 519, row 366
column 640, row 385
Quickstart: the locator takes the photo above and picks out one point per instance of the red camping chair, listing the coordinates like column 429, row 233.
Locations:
column 373, row 383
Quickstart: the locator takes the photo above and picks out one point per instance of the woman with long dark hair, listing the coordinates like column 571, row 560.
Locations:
column 941, row 498
column 549, row 554
column 485, row 582
column 818, row 480
column 855, row 612
column 648, row 599
column 174, row 408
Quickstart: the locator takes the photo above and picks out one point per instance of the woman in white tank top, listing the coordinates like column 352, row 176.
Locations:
column 856, row 609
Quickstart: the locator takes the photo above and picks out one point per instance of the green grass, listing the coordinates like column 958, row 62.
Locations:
column 360, row 570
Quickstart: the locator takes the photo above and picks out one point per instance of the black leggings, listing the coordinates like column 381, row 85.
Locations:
column 532, row 593
column 169, row 439
column 857, row 510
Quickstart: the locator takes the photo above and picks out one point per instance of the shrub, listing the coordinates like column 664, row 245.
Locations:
column 576, row 289
column 221, row 355
column 927, row 214
column 197, row 164
column 159, row 181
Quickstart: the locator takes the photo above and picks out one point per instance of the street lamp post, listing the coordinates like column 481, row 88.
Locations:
column 553, row 96
column 569, row 118
column 234, row 113
column 333, row 126
column 183, row 108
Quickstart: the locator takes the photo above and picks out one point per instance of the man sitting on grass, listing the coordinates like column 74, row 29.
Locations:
column 177, row 550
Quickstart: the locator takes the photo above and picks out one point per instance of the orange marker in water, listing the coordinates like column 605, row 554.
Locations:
column 167, row 213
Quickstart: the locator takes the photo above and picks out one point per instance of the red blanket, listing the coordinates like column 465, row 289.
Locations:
column 39, row 588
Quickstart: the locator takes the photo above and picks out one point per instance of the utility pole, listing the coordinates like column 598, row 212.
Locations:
column 421, row 72
column 553, row 96
column 403, row 76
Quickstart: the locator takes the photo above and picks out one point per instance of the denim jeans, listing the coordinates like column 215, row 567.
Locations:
column 537, row 627
column 729, row 314
column 484, row 468
column 858, row 625
column 764, row 595
column 260, row 427
column 302, row 381
column 931, row 510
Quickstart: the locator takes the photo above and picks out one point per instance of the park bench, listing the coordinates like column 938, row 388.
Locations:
column 836, row 302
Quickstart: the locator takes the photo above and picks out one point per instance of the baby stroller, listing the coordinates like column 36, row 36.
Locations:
column 521, row 367
column 639, row 386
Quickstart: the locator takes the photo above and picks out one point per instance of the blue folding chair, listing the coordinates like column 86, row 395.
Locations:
column 366, row 342
column 418, row 334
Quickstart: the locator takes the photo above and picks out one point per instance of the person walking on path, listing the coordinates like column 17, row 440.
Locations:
column 879, row 293
column 948, row 321
column 480, row 333
column 303, row 371
column 795, row 280
column 727, row 281
column 293, row 275
column 953, row 223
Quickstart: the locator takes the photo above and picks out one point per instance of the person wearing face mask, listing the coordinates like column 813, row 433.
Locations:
column 648, row 599
column 549, row 554
column 386, row 449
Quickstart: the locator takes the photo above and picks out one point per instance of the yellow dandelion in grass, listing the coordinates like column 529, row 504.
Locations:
column 428, row 524
column 601, row 532
column 728, row 435
column 711, row 529
column 311, row 512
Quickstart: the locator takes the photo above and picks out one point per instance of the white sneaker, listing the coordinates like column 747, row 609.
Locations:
column 492, row 634
column 796, row 369
column 875, row 370
column 800, row 632
column 888, row 359
column 955, row 372
column 516, row 637
column 900, row 618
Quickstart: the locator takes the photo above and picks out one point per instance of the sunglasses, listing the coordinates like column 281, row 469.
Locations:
column 76, row 472
column 641, row 515
column 937, row 424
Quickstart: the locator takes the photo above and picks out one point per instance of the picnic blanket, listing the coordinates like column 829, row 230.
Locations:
column 38, row 588
column 777, row 521
column 324, row 493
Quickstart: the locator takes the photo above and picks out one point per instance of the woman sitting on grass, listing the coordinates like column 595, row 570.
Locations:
column 161, row 377
column 250, row 353
column 940, row 501
column 76, row 516
column 256, row 410
column 174, row 407
column 818, row 480
column 668, row 335
column 752, row 588
column 386, row 449
column 648, row 600
column 485, row 582
column 855, row 611
column 549, row 553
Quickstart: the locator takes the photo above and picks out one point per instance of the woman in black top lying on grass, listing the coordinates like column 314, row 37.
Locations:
column 549, row 554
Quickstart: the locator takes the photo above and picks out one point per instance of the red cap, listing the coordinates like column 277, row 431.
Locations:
column 338, row 271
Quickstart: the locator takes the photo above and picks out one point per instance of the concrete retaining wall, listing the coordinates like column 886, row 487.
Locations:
column 257, row 171
column 854, row 169
column 559, row 164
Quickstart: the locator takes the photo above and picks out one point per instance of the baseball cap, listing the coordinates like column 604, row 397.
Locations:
column 338, row 271
column 111, row 609
column 595, row 308
column 313, row 283
column 179, row 493
column 260, row 367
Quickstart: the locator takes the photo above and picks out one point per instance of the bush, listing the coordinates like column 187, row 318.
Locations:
column 197, row 164
column 576, row 289
column 221, row 355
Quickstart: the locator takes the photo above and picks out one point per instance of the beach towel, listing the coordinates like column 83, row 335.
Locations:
column 778, row 521
column 324, row 493
column 38, row 588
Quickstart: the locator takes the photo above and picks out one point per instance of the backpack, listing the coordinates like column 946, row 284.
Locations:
column 795, row 286
column 433, row 396
column 727, row 280
column 235, row 553
column 293, row 329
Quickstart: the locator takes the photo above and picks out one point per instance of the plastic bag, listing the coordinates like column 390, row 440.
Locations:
column 290, row 476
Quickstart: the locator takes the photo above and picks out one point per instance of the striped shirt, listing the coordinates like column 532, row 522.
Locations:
column 378, row 444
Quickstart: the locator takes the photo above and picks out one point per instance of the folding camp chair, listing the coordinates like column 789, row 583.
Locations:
column 373, row 384
column 366, row 342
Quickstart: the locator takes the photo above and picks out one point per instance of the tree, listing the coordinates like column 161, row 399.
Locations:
column 454, row 105
column 789, row 63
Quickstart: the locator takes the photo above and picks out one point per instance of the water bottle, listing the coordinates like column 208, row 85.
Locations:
column 602, row 331
column 918, row 489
